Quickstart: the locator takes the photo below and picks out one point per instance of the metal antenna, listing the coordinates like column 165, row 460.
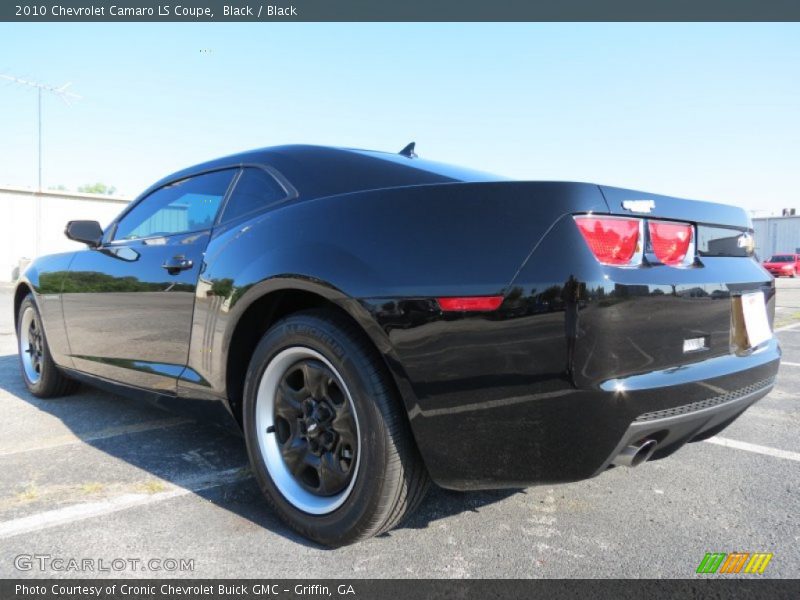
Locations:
column 61, row 92
column 65, row 95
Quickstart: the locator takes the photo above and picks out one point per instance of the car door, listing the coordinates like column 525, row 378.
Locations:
column 128, row 303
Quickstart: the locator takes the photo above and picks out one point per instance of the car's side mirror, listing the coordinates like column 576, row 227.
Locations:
column 88, row 232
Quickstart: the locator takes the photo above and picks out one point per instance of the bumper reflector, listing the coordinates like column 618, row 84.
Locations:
column 470, row 303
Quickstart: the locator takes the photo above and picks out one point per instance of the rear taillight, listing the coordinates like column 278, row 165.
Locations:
column 612, row 240
column 619, row 241
column 670, row 241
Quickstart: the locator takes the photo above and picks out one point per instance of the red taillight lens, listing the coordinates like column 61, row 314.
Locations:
column 470, row 303
column 670, row 241
column 612, row 240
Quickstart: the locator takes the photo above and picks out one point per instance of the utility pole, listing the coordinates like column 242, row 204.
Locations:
column 66, row 96
column 39, row 128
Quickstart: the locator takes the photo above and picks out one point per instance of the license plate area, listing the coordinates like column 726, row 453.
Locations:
column 749, row 323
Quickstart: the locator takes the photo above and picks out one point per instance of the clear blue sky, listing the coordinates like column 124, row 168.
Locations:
column 708, row 111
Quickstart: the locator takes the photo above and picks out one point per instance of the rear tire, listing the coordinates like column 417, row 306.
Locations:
column 326, row 435
column 39, row 372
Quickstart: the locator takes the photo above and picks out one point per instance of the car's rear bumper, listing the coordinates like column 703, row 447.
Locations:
column 562, row 436
column 493, row 404
column 672, row 428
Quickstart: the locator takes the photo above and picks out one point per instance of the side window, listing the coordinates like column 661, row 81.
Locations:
column 187, row 205
column 255, row 189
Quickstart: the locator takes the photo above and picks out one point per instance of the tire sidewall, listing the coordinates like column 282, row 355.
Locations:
column 47, row 362
column 351, row 363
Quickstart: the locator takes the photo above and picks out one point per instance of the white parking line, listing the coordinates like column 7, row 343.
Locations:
column 88, row 510
column 69, row 439
column 728, row 443
column 791, row 364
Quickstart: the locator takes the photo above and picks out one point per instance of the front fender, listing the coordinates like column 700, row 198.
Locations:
column 45, row 277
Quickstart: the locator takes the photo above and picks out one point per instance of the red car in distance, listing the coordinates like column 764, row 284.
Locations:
column 780, row 265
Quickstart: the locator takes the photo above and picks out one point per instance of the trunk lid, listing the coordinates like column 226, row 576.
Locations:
column 626, row 202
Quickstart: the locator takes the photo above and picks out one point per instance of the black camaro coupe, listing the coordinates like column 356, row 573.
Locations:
column 374, row 321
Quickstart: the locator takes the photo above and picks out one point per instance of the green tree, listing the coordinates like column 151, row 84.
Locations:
column 97, row 188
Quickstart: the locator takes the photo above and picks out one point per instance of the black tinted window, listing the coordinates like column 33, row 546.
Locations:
column 255, row 189
column 187, row 205
column 720, row 241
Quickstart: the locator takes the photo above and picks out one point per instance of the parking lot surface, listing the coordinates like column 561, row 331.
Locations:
column 99, row 477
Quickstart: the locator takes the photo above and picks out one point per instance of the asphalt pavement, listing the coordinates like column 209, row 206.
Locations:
column 133, row 491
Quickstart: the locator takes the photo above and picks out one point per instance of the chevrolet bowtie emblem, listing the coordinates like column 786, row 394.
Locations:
column 639, row 206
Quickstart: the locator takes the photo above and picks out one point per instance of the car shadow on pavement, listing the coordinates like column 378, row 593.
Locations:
column 174, row 452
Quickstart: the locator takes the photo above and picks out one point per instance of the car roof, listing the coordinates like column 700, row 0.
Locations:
column 318, row 171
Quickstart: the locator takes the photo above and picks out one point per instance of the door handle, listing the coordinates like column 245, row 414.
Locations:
column 177, row 264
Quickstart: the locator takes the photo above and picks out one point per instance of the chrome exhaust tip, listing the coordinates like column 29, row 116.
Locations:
column 635, row 454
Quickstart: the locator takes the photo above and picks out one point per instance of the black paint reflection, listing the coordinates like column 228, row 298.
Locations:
column 127, row 317
column 95, row 282
column 570, row 296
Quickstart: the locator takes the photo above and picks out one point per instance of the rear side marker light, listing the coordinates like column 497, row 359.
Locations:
column 470, row 303
column 612, row 240
column 671, row 241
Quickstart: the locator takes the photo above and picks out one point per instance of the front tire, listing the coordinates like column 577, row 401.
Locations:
column 39, row 372
column 327, row 438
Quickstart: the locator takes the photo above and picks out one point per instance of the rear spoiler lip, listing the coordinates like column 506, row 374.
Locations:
column 679, row 209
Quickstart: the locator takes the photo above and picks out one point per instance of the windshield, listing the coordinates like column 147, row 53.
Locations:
column 782, row 258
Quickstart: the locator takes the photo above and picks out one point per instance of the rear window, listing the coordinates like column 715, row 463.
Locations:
column 782, row 258
column 437, row 168
column 256, row 189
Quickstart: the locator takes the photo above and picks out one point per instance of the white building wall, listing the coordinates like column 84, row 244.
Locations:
column 774, row 235
column 18, row 222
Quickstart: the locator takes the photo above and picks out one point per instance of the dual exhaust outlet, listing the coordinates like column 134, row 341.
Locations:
column 635, row 454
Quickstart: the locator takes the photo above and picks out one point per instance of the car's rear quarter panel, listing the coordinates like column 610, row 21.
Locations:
column 414, row 242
